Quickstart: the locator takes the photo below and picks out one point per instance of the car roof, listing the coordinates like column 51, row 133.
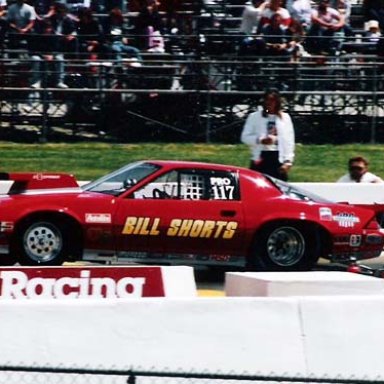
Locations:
column 195, row 164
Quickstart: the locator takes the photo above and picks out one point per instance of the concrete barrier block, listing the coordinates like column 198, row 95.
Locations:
column 343, row 336
column 301, row 284
column 227, row 335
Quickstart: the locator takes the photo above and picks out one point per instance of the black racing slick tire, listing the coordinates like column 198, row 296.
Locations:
column 284, row 247
column 41, row 243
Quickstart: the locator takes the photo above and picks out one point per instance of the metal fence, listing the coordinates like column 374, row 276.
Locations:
column 331, row 99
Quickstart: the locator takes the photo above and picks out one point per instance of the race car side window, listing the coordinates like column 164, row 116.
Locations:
column 209, row 185
column 192, row 185
column 164, row 187
column 122, row 179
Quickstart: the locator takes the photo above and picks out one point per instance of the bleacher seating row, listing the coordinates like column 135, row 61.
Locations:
column 199, row 89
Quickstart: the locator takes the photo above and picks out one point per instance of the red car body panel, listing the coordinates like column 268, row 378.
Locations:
column 142, row 222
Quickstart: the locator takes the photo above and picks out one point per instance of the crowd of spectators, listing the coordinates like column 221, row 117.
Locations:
column 53, row 30
column 309, row 27
column 50, row 31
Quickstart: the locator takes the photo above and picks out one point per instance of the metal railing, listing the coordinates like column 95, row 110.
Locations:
column 184, row 98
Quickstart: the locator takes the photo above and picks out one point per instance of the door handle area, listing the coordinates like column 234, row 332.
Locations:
column 228, row 213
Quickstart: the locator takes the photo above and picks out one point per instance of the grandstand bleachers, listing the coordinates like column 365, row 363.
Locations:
column 198, row 89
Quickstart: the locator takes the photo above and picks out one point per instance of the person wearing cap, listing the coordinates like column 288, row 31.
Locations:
column 269, row 133
column 358, row 172
column 374, row 10
column 373, row 32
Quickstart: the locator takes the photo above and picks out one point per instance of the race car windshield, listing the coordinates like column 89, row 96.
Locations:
column 119, row 181
column 295, row 192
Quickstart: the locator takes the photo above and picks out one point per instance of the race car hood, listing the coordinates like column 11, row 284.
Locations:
column 15, row 183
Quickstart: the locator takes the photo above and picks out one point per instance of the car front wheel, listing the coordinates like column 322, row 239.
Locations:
column 41, row 243
column 284, row 247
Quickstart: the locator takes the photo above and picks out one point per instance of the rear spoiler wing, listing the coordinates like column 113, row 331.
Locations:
column 21, row 182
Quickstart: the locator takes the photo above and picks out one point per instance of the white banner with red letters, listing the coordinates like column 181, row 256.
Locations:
column 96, row 282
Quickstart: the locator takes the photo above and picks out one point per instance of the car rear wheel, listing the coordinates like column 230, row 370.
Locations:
column 41, row 243
column 284, row 247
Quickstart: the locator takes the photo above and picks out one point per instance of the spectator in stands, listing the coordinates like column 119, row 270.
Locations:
column 172, row 18
column 64, row 29
column 21, row 18
column 3, row 23
column 89, row 34
column 373, row 32
column 155, row 41
column 297, row 32
column 43, row 7
column 3, row 7
column 374, row 10
column 274, row 6
column 344, row 7
column 115, row 41
column 278, row 40
column 270, row 135
column 326, row 21
column 251, row 16
column 249, row 25
column 42, row 52
column 301, row 11
column 76, row 5
column 148, row 19
column 358, row 172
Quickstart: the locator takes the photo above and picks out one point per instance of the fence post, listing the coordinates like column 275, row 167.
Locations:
column 45, row 102
column 209, row 107
column 374, row 104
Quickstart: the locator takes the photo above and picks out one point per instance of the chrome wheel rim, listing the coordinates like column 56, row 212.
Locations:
column 285, row 246
column 42, row 242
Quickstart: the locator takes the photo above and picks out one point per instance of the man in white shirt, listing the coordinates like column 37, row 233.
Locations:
column 301, row 10
column 358, row 172
column 251, row 16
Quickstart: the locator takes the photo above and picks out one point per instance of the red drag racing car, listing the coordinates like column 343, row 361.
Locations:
column 175, row 212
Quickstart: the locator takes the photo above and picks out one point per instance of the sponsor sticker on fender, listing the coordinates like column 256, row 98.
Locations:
column 81, row 283
column 98, row 218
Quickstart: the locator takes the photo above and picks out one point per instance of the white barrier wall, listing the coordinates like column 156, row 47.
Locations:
column 326, row 283
column 299, row 336
column 354, row 193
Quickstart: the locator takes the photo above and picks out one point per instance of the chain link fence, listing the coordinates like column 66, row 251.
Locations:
column 57, row 375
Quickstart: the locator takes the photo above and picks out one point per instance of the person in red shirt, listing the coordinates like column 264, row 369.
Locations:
column 272, row 8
